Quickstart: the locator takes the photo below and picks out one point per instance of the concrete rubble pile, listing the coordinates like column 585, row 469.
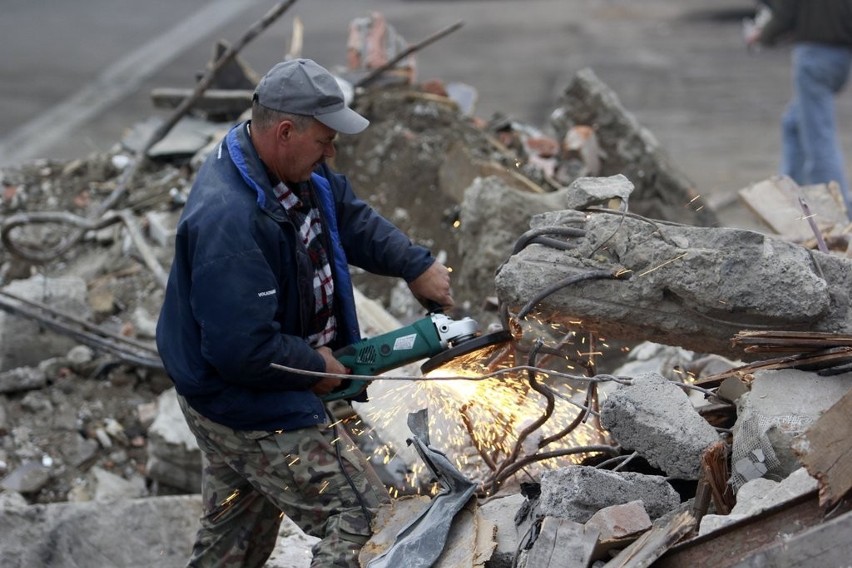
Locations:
column 712, row 454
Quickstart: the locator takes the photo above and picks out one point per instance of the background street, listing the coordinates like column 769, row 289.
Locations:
column 76, row 75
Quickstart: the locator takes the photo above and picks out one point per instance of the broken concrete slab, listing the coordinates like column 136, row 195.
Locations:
column 562, row 544
column 694, row 287
column 173, row 454
column 501, row 510
column 780, row 406
column 22, row 379
column 585, row 192
column 156, row 531
column 112, row 487
column 759, row 495
column 27, row 478
column 23, row 343
column 618, row 522
column 578, row 492
column 654, row 416
column 493, row 215
column 756, row 495
column 619, row 526
column 628, row 148
column 797, row 392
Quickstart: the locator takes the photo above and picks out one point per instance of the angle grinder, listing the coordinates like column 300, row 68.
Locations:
column 436, row 336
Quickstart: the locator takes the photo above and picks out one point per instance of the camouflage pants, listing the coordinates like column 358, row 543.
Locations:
column 251, row 477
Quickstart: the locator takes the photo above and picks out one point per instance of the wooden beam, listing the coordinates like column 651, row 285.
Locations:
column 827, row 544
column 654, row 543
column 825, row 449
column 212, row 101
column 731, row 545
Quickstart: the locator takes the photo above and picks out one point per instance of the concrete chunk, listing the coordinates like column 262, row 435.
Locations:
column 655, row 417
column 173, row 454
column 693, row 287
column 629, row 149
column 760, row 494
column 24, row 342
column 501, row 511
column 620, row 521
column 156, row 531
column 578, row 492
column 587, row 191
column 780, row 406
column 22, row 379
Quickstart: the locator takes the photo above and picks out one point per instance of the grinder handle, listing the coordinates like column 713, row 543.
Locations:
column 352, row 389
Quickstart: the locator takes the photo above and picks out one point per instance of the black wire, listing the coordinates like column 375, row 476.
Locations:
column 573, row 279
column 525, row 239
column 361, row 502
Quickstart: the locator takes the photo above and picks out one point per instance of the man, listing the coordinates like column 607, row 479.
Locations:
column 822, row 56
column 260, row 276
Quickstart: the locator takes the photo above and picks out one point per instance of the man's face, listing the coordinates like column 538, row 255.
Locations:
column 305, row 149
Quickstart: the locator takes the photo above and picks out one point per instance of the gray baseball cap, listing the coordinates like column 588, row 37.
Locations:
column 301, row 86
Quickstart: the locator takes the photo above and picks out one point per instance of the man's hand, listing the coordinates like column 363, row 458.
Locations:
column 434, row 285
column 327, row 384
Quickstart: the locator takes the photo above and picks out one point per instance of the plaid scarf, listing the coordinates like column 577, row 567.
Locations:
column 305, row 216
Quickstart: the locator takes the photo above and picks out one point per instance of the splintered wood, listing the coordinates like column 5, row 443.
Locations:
column 804, row 349
column 790, row 341
column 825, row 449
column 654, row 543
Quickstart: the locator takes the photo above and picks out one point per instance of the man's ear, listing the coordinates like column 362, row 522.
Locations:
column 284, row 130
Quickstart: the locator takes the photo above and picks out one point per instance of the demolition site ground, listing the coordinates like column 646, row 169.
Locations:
column 678, row 67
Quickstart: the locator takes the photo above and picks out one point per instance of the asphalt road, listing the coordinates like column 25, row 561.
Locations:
column 76, row 75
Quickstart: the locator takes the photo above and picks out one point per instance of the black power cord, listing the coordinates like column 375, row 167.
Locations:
column 336, row 442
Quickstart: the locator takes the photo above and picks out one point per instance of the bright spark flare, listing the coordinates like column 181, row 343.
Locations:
column 476, row 422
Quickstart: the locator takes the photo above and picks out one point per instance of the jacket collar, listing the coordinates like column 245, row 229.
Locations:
column 252, row 170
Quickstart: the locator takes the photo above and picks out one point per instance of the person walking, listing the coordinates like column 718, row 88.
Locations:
column 821, row 31
column 260, row 275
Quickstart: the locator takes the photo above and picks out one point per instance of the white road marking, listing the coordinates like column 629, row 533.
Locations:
column 30, row 140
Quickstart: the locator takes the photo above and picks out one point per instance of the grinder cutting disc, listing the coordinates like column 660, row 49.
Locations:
column 482, row 342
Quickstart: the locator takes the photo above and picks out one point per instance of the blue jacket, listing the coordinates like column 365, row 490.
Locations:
column 234, row 302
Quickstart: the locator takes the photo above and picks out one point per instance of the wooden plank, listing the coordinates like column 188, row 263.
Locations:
column 828, row 335
column 213, row 101
column 776, row 202
column 562, row 544
column 826, row 545
column 654, row 543
column 825, row 449
column 730, row 545
column 817, row 359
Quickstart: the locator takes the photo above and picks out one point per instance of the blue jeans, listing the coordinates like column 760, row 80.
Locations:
column 811, row 150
